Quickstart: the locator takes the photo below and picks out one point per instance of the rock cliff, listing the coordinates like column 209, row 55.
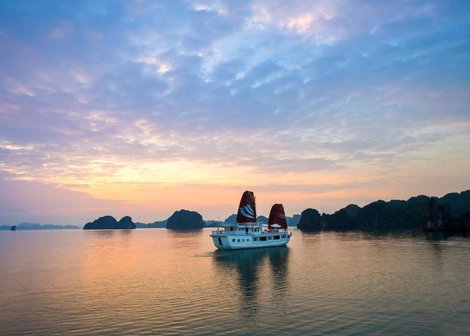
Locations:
column 451, row 212
column 110, row 223
column 185, row 219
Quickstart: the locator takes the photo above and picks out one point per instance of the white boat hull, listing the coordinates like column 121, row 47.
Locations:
column 236, row 242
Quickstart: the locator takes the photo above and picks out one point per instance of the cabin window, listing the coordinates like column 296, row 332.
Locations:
column 276, row 237
column 238, row 240
column 220, row 241
column 233, row 239
column 262, row 238
column 283, row 236
column 270, row 238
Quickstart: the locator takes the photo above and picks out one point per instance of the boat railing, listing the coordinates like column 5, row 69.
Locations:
column 233, row 233
column 249, row 233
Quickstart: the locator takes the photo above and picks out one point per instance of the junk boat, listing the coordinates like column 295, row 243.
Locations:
column 247, row 233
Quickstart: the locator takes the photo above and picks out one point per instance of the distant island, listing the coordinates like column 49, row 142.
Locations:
column 185, row 219
column 182, row 219
column 154, row 225
column 36, row 226
column 448, row 213
column 110, row 223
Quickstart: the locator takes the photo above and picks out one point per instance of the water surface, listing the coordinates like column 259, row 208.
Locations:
column 157, row 281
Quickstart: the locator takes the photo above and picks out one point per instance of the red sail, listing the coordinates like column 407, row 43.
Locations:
column 277, row 216
column 247, row 208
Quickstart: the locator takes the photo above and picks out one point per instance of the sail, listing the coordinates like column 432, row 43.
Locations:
column 247, row 209
column 277, row 216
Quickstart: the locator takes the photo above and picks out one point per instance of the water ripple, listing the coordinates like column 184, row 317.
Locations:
column 152, row 282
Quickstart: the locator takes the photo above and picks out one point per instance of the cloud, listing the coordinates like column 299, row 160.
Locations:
column 25, row 201
column 272, row 87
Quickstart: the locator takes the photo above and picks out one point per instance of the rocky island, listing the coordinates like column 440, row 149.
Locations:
column 185, row 219
column 448, row 213
column 110, row 223
column 153, row 225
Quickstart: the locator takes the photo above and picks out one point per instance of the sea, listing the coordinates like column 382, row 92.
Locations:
column 163, row 282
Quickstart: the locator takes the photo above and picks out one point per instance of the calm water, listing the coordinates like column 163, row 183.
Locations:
column 155, row 281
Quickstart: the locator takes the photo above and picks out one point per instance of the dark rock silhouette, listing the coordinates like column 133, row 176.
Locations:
column 294, row 220
column 439, row 217
column 456, row 203
column 154, row 225
column 381, row 214
column 464, row 221
column 420, row 212
column 157, row 224
column 126, row 223
column 110, row 223
column 310, row 219
column 352, row 210
column 436, row 218
column 213, row 223
column 262, row 219
column 339, row 220
column 185, row 219
column 105, row 222
column 232, row 219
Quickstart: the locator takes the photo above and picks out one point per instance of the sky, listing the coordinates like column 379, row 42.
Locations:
column 142, row 108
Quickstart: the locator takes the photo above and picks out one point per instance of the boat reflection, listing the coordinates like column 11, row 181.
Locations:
column 251, row 267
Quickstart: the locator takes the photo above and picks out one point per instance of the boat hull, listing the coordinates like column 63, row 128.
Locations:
column 236, row 242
